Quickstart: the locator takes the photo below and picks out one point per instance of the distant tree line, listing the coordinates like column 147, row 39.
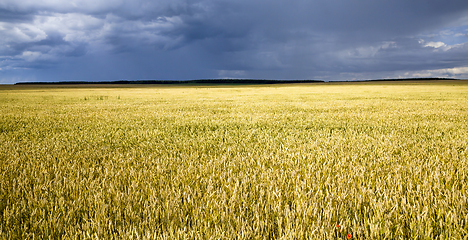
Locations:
column 218, row 81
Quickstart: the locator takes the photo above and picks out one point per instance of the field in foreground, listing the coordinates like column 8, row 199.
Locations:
column 382, row 160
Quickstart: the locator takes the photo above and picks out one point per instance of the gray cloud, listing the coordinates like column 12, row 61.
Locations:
column 180, row 39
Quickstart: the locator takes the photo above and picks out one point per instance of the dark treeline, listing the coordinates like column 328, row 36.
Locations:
column 197, row 81
column 218, row 81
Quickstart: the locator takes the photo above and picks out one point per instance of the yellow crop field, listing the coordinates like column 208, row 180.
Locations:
column 374, row 160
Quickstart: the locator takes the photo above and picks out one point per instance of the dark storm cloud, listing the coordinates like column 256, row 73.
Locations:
column 331, row 39
column 12, row 16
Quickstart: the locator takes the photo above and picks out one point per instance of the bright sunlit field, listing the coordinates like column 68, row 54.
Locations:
column 383, row 160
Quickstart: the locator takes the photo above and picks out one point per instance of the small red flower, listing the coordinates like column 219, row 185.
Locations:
column 339, row 227
column 349, row 236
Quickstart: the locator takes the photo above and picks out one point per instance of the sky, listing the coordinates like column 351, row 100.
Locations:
column 61, row 40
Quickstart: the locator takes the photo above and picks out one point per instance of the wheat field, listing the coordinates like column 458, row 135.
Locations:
column 374, row 160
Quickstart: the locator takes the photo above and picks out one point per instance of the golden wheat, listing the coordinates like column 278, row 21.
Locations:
column 381, row 160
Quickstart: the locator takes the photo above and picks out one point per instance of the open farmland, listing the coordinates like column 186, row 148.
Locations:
column 384, row 160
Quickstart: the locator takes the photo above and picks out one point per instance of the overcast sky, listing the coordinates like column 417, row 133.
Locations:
column 55, row 40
